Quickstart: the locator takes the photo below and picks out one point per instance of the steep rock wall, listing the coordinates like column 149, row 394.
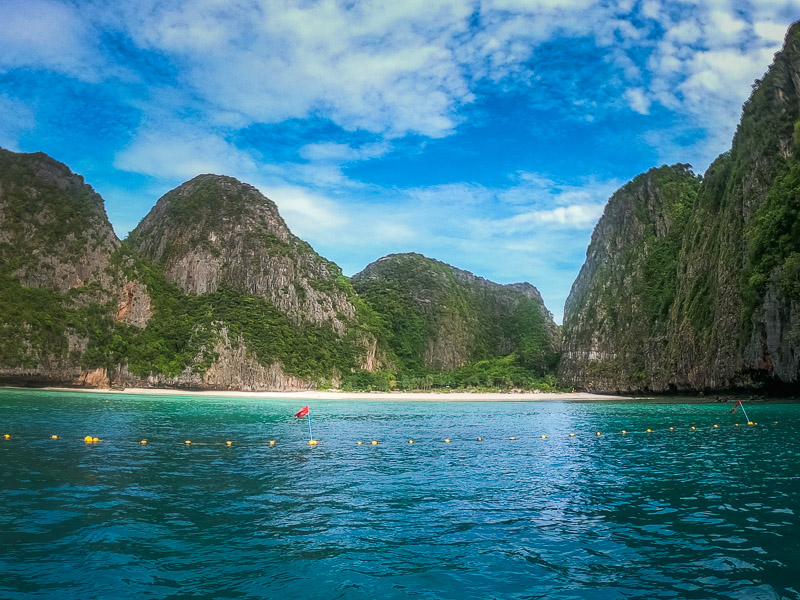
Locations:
column 442, row 317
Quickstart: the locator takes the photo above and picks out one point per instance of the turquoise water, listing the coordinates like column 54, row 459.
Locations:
column 704, row 513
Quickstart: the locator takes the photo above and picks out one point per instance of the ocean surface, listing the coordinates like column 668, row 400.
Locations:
column 710, row 512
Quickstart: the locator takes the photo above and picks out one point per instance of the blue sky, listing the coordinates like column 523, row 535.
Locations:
column 485, row 133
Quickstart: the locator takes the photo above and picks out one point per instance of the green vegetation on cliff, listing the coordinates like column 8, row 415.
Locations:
column 714, row 302
column 444, row 327
column 185, row 329
column 617, row 315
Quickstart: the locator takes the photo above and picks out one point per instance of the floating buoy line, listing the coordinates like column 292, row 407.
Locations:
column 91, row 440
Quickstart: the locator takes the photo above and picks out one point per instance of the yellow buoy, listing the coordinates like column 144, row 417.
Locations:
column 571, row 435
column 410, row 441
column 750, row 423
column 374, row 442
column 599, row 433
column 623, row 431
column 88, row 439
column 95, row 440
column 6, row 435
column 229, row 443
column 272, row 442
column 187, row 442
column 716, row 426
column 693, row 428
column 312, row 442
column 446, row 440
column 649, row 431
column 53, row 437
column 735, row 424
column 512, row 438
column 143, row 442
column 672, row 429
column 359, row 442
column 544, row 437
column 480, row 439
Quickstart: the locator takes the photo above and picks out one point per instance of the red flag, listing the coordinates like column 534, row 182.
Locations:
column 733, row 410
column 302, row 412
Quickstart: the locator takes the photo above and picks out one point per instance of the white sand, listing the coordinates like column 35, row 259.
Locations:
column 329, row 395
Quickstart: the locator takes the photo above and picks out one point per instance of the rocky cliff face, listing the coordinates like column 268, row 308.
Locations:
column 215, row 232
column 733, row 318
column 54, row 231
column 442, row 318
column 212, row 292
column 59, row 284
column 616, row 319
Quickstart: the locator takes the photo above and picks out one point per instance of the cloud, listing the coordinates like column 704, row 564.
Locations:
column 341, row 153
column 575, row 216
column 49, row 34
column 16, row 117
column 771, row 32
column 308, row 214
column 638, row 101
column 181, row 154
column 383, row 67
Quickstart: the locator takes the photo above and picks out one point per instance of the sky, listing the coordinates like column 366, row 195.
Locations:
column 488, row 134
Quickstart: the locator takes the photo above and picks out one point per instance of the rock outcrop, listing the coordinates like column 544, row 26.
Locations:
column 616, row 319
column 734, row 306
column 215, row 231
column 252, row 306
column 440, row 317
column 54, row 231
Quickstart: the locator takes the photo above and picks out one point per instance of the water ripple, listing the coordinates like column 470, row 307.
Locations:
column 703, row 513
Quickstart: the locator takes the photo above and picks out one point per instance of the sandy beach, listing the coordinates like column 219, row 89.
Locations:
column 383, row 396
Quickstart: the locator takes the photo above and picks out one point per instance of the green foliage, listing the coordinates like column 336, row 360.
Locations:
column 414, row 299
column 185, row 329
column 402, row 329
column 40, row 216
column 503, row 373
column 32, row 322
column 379, row 381
column 656, row 286
column 774, row 237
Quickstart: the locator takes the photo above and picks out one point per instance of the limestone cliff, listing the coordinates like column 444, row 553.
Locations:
column 440, row 317
column 616, row 318
column 215, row 232
column 53, row 227
column 736, row 319
column 228, row 298
column 59, row 284
column 733, row 316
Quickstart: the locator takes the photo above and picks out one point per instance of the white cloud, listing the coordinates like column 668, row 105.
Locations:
column 771, row 32
column 49, row 34
column 181, row 154
column 575, row 216
column 15, row 118
column 306, row 213
column 384, row 67
column 638, row 101
column 651, row 9
column 341, row 153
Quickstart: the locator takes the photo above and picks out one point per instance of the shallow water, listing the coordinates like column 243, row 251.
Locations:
column 704, row 513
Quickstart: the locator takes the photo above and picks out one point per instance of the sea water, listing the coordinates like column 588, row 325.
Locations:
column 694, row 512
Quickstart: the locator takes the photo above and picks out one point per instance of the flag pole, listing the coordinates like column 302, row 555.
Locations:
column 744, row 411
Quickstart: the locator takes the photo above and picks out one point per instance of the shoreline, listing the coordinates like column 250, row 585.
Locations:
column 383, row 396
column 304, row 395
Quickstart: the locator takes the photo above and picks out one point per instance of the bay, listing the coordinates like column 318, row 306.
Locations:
column 709, row 512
